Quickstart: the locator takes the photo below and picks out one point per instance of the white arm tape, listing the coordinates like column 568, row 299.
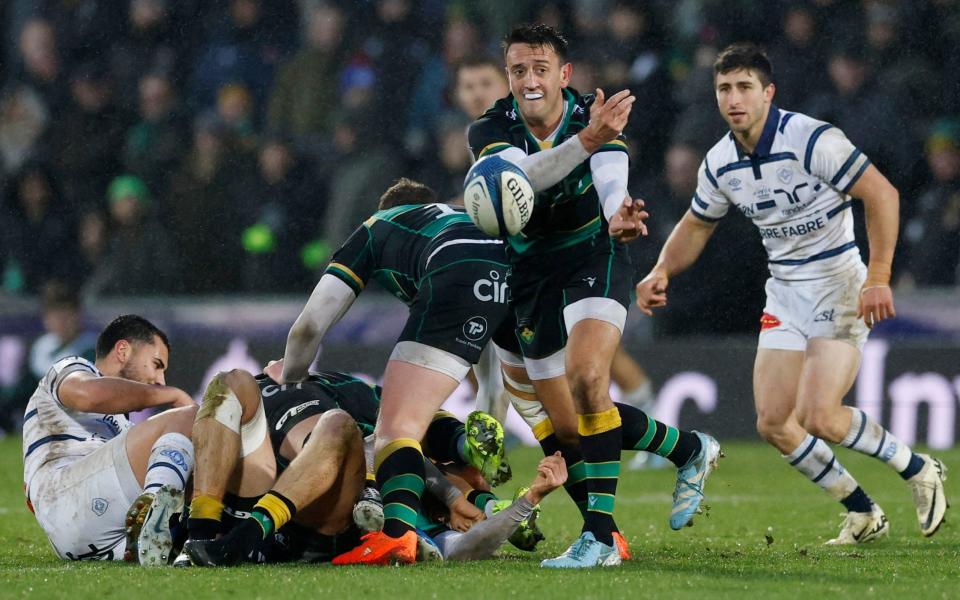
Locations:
column 329, row 301
column 548, row 167
column 610, row 172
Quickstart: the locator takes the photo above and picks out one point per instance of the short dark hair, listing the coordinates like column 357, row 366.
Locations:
column 406, row 191
column 745, row 55
column 132, row 328
column 57, row 295
column 536, row 34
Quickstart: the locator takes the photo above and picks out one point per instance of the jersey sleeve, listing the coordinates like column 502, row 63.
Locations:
column 617, row 145
column 354, row 262
column 485, row 137
column 834, row 159
column 64, row 367
column 709, row 203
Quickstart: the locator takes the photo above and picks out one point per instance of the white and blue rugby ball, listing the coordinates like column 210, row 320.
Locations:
column 498, row 196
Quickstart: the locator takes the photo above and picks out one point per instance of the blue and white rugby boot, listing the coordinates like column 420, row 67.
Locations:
column 690, row 481
column 585, row 553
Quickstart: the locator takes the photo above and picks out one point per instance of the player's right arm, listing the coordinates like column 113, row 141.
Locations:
column 686, row 241
column 86, row 392
column 344, row 278
column 546, row 168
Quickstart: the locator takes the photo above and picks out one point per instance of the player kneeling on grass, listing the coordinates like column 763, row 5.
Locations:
column 85, row 463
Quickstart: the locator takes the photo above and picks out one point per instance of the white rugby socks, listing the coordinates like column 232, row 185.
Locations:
column 170, row 463
column 816, row 461
column 869, row 437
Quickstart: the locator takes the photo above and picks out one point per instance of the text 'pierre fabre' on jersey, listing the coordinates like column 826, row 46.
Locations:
column 398, row 247
column 567, row 213
column 795, row 187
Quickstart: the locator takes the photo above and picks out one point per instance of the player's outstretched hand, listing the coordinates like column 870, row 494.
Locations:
column 607, row 119
column 627, row 224
column 551, row 474
column 876, row 304
column 274, row 370
column 652, row 292
column 463, row 514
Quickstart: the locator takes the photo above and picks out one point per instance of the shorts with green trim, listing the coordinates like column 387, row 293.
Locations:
column 542, row 287
column 461, row 305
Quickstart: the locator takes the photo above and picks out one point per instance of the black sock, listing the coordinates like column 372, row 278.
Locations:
column 480, row 498
column 576, row 484
column 400, row 474
column 858, row 501
column 442, row 441
column 600, row 440
column 643, row 432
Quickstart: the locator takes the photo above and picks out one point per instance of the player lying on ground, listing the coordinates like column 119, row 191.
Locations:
column 86, row 464
column 292, row 458
column 796, row 178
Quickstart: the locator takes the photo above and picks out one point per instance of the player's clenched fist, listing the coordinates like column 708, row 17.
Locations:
column 652, row 292
column 876, row 304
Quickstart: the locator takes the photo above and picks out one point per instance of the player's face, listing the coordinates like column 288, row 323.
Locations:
column 537, row 79
column 743, row 100
column 145, row 363
column 478, row 88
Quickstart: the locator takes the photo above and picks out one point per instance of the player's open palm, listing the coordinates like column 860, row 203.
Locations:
column 551, row 474
column 652, row 292
column 608, row 117
column 876, row 304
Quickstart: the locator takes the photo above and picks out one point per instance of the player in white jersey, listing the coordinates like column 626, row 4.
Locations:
column 86, row 464
column 795, row 177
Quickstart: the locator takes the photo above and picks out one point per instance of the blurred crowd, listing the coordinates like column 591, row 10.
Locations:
column 213, row 147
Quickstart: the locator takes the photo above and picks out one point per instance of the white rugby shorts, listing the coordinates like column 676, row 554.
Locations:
column 81, row 503
column 799, row 310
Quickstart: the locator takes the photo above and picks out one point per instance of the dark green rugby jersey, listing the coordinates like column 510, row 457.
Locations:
column 567, row 213
column 320, row 392
column 397, row 248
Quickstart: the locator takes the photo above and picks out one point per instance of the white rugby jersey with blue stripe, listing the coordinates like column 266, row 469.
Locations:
column 53, row 431
column 795, row 187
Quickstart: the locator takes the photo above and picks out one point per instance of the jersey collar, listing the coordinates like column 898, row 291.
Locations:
column 766, row 136
column 571, row 101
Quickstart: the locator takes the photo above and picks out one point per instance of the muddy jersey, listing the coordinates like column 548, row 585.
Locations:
column 53, row 431
column 795, row 187
column 570, row 212
column 401, row 246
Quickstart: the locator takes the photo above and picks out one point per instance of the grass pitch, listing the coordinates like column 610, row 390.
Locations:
column 762, row 537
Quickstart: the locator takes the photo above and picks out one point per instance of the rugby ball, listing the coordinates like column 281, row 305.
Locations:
column 498, row 196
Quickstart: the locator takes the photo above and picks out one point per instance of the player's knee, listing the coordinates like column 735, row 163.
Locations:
column 820, row 425
column 181, row 419
column 588, row 382
column 337, row 424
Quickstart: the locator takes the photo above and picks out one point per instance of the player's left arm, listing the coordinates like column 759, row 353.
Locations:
column 625, row 216
column 881, row 202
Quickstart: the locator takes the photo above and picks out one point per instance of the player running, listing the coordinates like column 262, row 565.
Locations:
column 570, row 280
column 85, row 464
column 795, row 177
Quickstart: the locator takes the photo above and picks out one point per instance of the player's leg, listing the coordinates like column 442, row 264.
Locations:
column 632, row 380
column 478, row 443
column 829, row 369
column 318, row 490
column 776, row 380
column 161, row 456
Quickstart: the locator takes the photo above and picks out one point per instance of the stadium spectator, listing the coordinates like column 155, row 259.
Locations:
column 65, row 333
column 797, row 54
column 40, row 64
column 35, row 232
column 284, row 217
column 23, row 121
column 865, row 114
column 141, row 258
column 933, row 234
column 152, row 43
column 301, row 103
column 235, row 110
column 444, row 174
column 156, row 144
column 203, row 208
column 90, row 134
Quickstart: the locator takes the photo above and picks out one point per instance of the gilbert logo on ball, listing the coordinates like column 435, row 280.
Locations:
column 498, row 196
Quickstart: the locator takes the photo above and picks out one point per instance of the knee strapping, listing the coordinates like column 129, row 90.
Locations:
column 525, row 402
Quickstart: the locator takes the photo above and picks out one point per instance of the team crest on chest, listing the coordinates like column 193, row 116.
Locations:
column 735, row 184
column 785, row 174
